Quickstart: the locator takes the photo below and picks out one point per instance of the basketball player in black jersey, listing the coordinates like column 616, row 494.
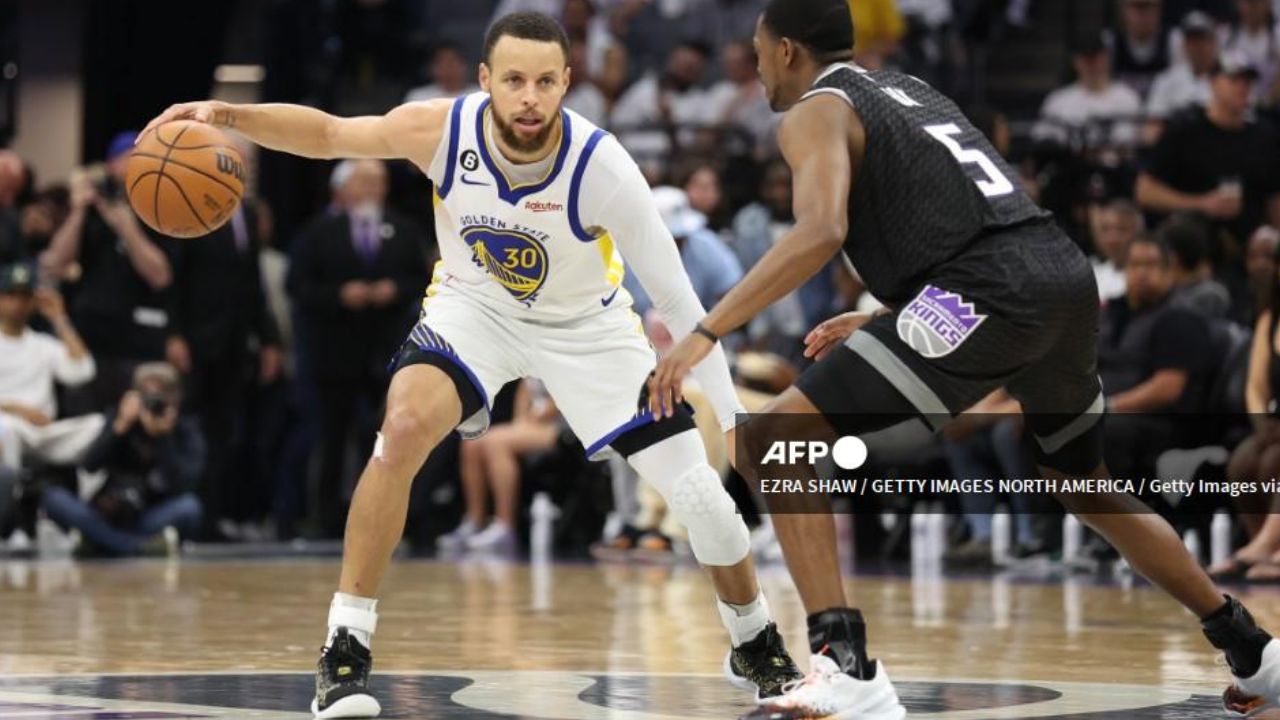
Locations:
column 982, row 291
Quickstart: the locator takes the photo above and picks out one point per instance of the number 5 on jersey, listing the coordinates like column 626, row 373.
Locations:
column 995, row 184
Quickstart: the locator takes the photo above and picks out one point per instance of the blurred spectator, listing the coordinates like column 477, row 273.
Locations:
column 1140, row 50
column 43, row 216
column 1260, row 265
column 1152, row 361
column 701, row 182
column 1115, row 226
column 151, row 455
column 490, row 465
column 718, row 23
column 1093, row 110
column 1258, row 456
column 223, row 337
column 660, row 112
column 1218, row 161
column 1256, row 36
column 737, row 104
column 711, row 265
column 584, row 96
column 782, row 326
column 451, row 75
column 927, row 46
column 878, row 27
column 13, row 178
column 1187, row 81
column 588, row 29
column 356, row 276
column 30, row 364
column 373, row 61
column 115, row 273
column 1193, row 285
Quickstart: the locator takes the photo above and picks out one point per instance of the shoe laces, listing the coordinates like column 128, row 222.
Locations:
column 815, row 676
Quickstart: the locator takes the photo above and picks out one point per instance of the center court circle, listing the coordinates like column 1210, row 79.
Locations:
column 849, row 452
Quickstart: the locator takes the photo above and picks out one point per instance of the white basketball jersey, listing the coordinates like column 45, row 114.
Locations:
column 521, row 248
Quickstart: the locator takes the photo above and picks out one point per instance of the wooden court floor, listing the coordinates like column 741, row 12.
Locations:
column 479, row 639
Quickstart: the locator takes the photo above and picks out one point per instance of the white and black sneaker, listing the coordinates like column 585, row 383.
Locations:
column 342, row 680
column 761, row 665
column 829, row 692
column 1254, row 658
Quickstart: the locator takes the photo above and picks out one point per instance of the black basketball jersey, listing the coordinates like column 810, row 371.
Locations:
column 929, row 185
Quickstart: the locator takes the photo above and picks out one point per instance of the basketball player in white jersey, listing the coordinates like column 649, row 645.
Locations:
column 535, row 210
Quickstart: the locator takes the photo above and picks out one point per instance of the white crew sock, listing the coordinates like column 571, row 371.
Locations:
column 744, row 622
column 357, row 614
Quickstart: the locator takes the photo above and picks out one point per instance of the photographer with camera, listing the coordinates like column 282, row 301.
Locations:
column 152, row 457
column 114, row 272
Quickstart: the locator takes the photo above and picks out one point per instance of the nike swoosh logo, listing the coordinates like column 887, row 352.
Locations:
column 605, row 302
column 465, row 181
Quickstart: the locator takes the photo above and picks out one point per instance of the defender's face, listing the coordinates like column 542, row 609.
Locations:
column 527, row 81
column 768, row 62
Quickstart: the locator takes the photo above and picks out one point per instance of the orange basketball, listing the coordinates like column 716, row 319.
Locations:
column 185, row 178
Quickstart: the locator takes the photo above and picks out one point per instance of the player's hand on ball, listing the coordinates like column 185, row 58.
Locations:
column 212, row 112
column 665, row 384
column 830, row 333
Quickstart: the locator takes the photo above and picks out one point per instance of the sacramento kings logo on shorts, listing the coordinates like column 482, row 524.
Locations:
column 937, row 322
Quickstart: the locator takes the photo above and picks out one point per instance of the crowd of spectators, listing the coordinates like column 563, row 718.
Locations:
column 229, row 387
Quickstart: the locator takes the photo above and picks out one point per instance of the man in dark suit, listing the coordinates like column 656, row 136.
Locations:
column 224, row 338
column 357, row 275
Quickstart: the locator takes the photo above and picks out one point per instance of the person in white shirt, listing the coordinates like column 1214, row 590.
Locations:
column 536, row 211
column 1094, row 110
column 1115, row 225
column 30, row 364
column 737, row 103
column 585, row 97
column 1187, row 82
column 658, row 108
column 1257, row 37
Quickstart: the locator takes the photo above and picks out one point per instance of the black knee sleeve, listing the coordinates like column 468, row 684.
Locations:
column 1079, row 455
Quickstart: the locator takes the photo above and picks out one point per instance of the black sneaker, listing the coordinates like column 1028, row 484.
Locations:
column 761, row 664
column 342, row 680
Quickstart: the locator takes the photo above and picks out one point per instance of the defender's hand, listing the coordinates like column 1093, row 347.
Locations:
column 830, row 333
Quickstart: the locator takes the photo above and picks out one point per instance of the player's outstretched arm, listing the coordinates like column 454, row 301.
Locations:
column 813, row 138
column 411, row 131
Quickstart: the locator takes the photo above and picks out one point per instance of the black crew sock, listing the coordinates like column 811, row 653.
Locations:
column 1232, row 630
column 841, row 634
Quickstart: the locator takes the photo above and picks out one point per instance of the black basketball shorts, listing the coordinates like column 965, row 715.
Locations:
column 1018, row 310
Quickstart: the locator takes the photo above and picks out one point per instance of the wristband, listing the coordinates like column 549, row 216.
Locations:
column 704, row 332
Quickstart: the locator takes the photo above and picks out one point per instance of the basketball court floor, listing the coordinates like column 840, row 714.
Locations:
column 491, row 639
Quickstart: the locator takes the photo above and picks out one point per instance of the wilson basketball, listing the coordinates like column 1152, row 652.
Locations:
column 185, row 178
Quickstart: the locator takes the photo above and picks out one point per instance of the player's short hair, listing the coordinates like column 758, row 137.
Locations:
column 525, row 26
column 824, row 27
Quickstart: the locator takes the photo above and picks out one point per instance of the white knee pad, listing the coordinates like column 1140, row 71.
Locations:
column 717, row 533
column 678, row 469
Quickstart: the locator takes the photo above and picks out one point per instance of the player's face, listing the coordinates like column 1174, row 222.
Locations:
column 527, row 80
column 768, row 48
